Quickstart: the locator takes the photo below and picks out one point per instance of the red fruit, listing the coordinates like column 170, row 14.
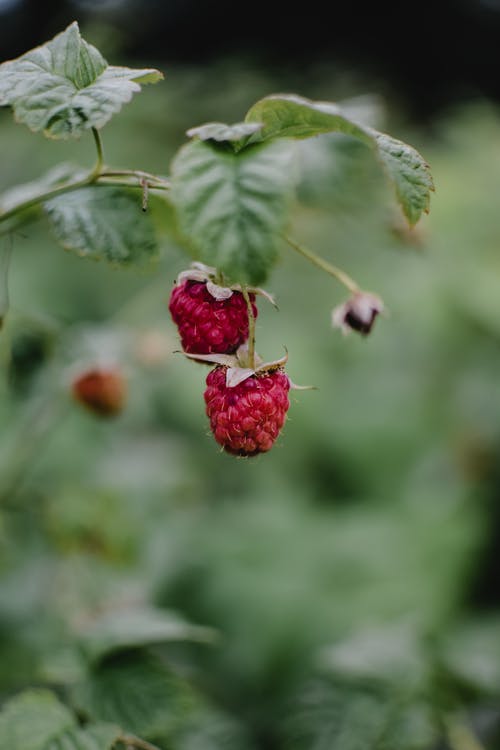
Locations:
column 247, row 418
column 101, row 391
column 207, row 325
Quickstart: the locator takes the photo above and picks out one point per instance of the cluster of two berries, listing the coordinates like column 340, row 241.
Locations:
column 246, row 401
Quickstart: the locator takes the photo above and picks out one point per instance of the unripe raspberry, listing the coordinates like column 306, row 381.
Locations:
column 101, row 391
column 208, row 325
column 246, row 419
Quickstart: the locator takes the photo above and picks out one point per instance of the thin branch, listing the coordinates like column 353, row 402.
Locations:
column 320, row 262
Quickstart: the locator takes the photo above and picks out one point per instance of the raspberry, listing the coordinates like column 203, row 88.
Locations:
column 208, row 325
column 247, row 418
column 101, row 391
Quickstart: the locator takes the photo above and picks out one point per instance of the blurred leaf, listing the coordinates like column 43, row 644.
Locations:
column 103, row 223
column 136, row 691
column 210, row 729
column 66, row 87
column 94, row 737
column 291, row 116
column 120, row 630
column 392, row 655
column 340, row 718
column 219, row 131
column 471, row 652
column 30, row 720
column 232, row 206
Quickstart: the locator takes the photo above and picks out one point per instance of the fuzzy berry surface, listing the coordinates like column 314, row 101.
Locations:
column 247, row 419
column 102, row 392
column 207, row 325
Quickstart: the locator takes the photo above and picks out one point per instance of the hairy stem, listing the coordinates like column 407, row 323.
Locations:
column 320, row 262
column 251, row 328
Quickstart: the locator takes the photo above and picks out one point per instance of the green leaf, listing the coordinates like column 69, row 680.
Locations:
column 93, row 737
column 392, row 656
column 291, row 116
column 210, row 729
column 219, row 131
column 103, row 222
column 136, row 691
column 232, row 206
column 120, row 630
column 408, row 173
column 336, row 717
column 66, row 87
column 31, row 720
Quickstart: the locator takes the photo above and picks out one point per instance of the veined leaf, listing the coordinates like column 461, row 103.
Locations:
column 136, row 691
column 120, row 630
column 232, row 206
column 290, row 116
column 32, row 719
column 219, row 131
column 94, row 737
column 346, row 718
column 103, row 222
column 65, row 86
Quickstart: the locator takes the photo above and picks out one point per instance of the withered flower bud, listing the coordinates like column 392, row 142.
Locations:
column 358, row 313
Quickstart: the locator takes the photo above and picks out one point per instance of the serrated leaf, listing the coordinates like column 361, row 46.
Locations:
column 219, row 131
column 136, row 691
column 120, row 630
column 93, row 737
column 33, row 719
column 291, row 116
column 409, row 174
column 65, row 86
column 232, row 206
column 102, row 222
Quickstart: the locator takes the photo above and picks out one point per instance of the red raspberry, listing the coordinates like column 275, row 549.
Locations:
column 207, row 325
column 101, row 391
column 247, row 418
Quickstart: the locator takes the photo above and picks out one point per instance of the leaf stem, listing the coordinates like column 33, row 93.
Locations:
column 251, row 328
column 100, row 154
column 320, row 262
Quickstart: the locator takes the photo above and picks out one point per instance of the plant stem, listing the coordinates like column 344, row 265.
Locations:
column 100, row 153
column 251, row 328
column 98, row 175
column 320, row 262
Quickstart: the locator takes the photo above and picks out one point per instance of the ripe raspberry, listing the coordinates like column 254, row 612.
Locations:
column 101, row 391
column 247, row 418
column 208, row 325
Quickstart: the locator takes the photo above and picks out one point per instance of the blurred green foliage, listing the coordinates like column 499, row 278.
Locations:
column 348, row 574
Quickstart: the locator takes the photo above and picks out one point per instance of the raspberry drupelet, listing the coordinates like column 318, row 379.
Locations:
column 246, row 419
